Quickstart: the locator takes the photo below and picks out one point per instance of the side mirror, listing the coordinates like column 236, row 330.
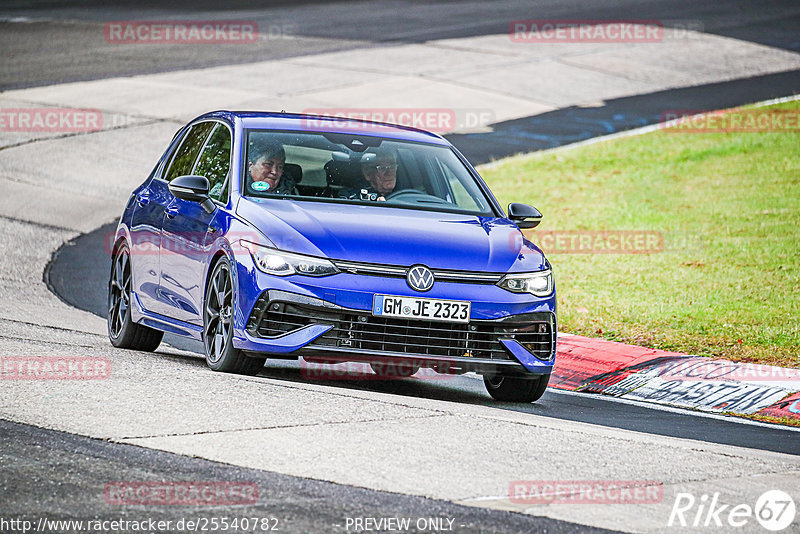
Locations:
column 523, row 215
column 193, row 189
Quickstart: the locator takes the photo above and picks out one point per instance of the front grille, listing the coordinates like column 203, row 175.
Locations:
column 396, row 271
column 361, row 330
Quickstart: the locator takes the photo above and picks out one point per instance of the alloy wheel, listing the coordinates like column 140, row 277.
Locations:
column 119, row 294
column 218, row 313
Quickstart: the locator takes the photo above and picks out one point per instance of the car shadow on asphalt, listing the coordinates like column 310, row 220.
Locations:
column 560, row 405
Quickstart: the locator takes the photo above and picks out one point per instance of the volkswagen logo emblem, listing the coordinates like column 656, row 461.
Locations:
column 420, row 278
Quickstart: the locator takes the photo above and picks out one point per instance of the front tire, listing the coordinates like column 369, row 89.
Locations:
column 516, row 389
column 122, row 331
column 218, row 308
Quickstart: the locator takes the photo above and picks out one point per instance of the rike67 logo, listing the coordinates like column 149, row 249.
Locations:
column 774, row 510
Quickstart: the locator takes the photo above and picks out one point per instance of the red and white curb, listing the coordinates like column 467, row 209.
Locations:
column 675, row 379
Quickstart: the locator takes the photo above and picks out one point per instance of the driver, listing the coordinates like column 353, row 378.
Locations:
column 379, row 170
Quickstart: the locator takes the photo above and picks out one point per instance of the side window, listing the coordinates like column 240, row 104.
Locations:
column 215, row 161
column 187, row 153
column 161, row 168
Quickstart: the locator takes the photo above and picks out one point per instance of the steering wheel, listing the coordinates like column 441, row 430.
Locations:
column 415, row 192
column 401, row 192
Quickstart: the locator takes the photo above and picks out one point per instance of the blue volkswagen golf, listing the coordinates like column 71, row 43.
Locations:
column 274, row 235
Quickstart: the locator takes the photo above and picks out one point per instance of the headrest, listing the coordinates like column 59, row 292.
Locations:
column 293, row 171
column 345, row 173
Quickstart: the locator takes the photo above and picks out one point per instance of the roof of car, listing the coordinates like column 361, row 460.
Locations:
column 316, row 123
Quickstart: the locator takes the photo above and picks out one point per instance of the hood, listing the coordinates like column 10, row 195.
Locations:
column 392, row 236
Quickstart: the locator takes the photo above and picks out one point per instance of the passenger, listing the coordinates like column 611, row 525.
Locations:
column 265, row 165
column 379, row 170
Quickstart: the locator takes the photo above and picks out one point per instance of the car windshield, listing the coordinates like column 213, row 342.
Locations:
column 352, row 168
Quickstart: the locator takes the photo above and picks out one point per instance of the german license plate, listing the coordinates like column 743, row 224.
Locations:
column 453, row 311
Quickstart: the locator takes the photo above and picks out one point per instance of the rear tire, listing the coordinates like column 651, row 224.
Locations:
column 218, row 308
column 122, row 331
column 516, row 389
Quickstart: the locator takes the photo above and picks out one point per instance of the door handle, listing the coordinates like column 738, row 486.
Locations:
column 142, row 200
column 171, row 212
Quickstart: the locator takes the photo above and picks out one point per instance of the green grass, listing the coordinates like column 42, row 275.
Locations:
column 788, row 421
column 727, row 283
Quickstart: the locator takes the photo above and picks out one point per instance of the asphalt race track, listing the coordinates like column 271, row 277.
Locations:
column 77, row 274
column 77, row 54
column 72, row 491
column 327, row 450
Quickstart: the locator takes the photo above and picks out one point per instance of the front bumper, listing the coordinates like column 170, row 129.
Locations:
column 283, row 323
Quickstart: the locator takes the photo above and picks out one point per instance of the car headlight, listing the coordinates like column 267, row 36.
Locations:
column 278, row 262
column 539, row 283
